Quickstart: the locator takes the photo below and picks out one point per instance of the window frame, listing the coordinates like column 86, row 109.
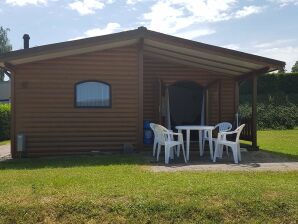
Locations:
column 96, row 81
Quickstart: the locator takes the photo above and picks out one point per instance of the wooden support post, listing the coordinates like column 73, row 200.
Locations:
column 254, row 113
column 141, row 94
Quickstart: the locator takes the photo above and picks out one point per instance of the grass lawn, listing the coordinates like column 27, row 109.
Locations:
column 4, row 142
column 279, row 141
column 120, row 189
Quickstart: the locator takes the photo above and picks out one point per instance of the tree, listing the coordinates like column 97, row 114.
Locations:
column 5, row 46
column 295, row 67
column 281, row 70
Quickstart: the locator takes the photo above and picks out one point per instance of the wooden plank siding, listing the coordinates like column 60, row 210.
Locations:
column 46, row 114
column 45, row 111
column 170, row 73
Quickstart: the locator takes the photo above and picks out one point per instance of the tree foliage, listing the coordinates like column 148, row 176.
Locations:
column 5, row 46
column 295, row 67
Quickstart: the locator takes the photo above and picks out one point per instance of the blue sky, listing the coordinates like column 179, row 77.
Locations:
column 263, row 27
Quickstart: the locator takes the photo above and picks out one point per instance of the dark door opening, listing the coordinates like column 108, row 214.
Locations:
column 185, row 100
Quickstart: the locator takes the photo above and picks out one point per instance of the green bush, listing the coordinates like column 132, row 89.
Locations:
column 272, row 116
column 4, row 121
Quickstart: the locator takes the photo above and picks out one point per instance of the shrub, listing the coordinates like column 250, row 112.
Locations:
column 4, row 121
column 272, row 116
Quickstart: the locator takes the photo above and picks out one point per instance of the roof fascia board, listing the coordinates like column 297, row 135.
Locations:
column 40, row 57
column 252, row 73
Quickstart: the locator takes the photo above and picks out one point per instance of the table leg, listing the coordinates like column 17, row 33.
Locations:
column 187, row 144
column 210, row 143
column 178, row 147
column 201, row 143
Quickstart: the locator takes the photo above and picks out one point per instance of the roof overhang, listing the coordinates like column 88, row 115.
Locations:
column 165, row 47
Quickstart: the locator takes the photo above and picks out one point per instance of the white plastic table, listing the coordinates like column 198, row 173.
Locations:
column 199, row 128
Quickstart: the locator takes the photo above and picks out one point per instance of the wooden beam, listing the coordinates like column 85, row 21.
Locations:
column 141, row 94
column 252, row 73
column 254, row 113
column 209, row 84
column 13, row 150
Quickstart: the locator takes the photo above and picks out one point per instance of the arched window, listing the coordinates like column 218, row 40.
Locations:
column 92, row 94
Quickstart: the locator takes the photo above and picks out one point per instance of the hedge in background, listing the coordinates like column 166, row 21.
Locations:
column 4, row 121
column 273, row 83
column 272, row 116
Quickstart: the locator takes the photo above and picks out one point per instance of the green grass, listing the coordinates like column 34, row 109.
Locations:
column 279, row 141
column 121, row 189
column 4, row 142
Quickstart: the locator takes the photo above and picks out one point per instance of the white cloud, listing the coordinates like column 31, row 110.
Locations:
column 86, row 7
column 109, row 28
column 283, row 3
column 192, row 34
column 26, row 2
column 248, row 10
column 132, row 2
column 232, row 46
column 176, row 16
column 288, row 54
column 275, row 43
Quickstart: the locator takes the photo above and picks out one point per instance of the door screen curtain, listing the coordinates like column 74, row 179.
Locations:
column 185, row 104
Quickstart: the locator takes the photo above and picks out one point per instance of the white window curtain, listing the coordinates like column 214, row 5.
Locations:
column 92, row 94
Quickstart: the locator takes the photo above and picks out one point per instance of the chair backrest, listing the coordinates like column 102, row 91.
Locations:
column 152, row 126
column 239, row 130
column 224, row 126
column 161, row 134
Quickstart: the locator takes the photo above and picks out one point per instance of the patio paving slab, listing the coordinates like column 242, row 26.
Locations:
column 251, row 161
column 4, row 151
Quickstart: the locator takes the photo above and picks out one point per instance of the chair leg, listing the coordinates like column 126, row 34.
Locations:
column 158, row 152
column 220, row 151
column 154, row 147
column 235, row 153
column 227, row 150
column 167, row 154
column 215, row 152
column 239, row 153
column 178, row 151
column 171, row 152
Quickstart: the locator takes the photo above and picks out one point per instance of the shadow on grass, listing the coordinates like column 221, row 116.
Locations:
column 289, row 156
column 73, row 161
column 272, row 152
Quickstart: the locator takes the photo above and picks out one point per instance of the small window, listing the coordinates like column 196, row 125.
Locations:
column 92, row 94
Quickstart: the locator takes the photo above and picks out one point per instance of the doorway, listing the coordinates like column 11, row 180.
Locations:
column 186, row 103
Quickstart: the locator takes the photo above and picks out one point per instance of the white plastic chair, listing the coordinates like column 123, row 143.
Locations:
column 235, row 146
column 223, row 126
column 164, row 137
column 152, row 126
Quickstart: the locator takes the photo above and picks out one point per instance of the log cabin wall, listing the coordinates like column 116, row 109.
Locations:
column 45, row 111
column 220, row 94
